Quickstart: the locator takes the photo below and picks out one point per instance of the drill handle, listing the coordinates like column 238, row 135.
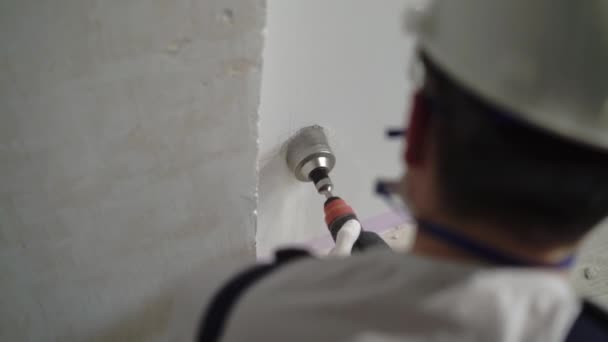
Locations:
column 368, row 240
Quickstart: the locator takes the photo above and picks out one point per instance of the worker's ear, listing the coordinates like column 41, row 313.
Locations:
column 417, row 130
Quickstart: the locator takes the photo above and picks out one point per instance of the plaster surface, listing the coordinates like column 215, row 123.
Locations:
column 127, row 158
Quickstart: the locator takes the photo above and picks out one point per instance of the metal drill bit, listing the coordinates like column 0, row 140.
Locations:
column 327, row 193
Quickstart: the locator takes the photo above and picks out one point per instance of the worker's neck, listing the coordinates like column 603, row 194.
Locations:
column 428, row 245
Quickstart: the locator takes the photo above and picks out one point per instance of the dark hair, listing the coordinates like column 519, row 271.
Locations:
column 544, row 189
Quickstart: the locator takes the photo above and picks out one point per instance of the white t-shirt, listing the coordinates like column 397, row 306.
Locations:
column 385, row 296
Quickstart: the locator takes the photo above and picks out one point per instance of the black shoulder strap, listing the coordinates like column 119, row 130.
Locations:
column 590, row 326
column 218, row 311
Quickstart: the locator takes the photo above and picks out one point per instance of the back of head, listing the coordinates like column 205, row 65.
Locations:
column 492, row 167
column 519, row 92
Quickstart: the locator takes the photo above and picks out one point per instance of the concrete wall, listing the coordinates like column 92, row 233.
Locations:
column 341, row 64
column 127, row 158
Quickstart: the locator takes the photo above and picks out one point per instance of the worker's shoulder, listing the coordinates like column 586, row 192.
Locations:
column 332, row 299
column 376, row 269
column 327, row 299
column 196, row 290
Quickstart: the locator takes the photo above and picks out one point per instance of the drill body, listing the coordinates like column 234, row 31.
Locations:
column 338, row 214
column 310, row 158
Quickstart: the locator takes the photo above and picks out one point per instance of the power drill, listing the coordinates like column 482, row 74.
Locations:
column 310, row 158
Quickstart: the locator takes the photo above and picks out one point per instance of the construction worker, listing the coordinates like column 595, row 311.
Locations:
column 507, row 171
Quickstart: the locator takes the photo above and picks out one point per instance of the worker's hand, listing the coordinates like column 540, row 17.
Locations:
column 346, row 238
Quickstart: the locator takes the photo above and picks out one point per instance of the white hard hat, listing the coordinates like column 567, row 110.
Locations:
column 545, row 61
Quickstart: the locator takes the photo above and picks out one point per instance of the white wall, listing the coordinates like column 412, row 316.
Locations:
column 127, row 158
column 341, row 64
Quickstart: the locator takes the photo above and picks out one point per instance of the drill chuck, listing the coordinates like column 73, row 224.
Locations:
column 309, row 156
